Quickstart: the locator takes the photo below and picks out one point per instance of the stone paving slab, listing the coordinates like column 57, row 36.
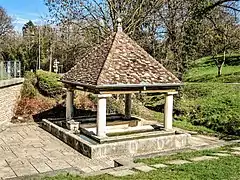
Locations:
column 177, row 162
column 159, row 166
column 120, row 173
column 24, row 170
column 41, row 167
column 221, row 154
column 144, row 168
column 236, row 148
column 29, row 150
column 223, row 151
column 236, row 153
column 204, row 158
column 6, row 172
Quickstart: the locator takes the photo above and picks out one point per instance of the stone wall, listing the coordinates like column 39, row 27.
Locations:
column 9, row 93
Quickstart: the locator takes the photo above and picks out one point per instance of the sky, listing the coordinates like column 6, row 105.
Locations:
column 24, row 10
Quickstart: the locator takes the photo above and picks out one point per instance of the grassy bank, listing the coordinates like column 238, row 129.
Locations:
column 205, row 70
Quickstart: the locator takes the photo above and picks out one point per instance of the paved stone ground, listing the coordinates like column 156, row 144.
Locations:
column 28, row 150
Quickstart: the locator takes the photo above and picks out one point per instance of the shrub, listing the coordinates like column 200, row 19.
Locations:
column 28, row 89
column 48, row 83
column 213, row 105
column 30, row 76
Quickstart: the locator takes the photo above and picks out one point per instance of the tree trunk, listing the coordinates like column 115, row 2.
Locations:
column 220, row 66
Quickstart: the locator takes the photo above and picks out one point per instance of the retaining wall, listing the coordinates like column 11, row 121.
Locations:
column 9, row 93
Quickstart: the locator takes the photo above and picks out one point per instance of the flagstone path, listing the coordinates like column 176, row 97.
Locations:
column 29, row 151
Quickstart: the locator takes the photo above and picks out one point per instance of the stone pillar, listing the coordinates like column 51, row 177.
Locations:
column 168, row 110
column 128, row 105
column 69, row 103
column 102, row 114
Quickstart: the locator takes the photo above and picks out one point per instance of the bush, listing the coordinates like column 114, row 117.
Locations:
column 30, row 76
column 28, row 89
column 213, row 105
column 48, row 83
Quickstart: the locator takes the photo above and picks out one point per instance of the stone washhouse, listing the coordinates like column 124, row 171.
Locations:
column 118, row 66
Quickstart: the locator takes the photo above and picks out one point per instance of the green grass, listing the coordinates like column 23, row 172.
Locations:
column 205, row 70
column 230, row 74
column 223, row 168
column 212, row 105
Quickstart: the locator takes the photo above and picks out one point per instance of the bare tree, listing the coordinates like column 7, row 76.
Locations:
column 5, row 23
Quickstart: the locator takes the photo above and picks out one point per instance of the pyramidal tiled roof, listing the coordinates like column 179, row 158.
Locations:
column 119, row 60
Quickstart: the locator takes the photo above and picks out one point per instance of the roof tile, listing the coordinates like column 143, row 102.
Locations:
column 119, row 60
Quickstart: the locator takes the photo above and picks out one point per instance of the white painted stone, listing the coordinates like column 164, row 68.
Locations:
column 101, row 115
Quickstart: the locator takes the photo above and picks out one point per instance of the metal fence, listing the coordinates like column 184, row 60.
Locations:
column 10, row 69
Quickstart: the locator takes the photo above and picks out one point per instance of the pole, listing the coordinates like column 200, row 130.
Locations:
column 39, row 49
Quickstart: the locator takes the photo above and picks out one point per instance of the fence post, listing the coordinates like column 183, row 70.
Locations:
column 19, row 68
column 9, row 69
column 15, row 69
column 1, row 69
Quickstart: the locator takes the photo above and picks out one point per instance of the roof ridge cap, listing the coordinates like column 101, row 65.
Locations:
column 114, row 38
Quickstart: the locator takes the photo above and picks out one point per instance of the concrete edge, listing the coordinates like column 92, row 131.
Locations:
column 11, row 82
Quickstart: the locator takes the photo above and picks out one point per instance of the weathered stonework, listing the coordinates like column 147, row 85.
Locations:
column 9, row 93
column 135, row 147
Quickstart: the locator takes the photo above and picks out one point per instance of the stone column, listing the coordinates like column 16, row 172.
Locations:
column 102, row 114
column 128, row 105
column 69, row 103
column 168, row 110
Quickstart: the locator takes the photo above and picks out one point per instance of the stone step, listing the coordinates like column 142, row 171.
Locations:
column 159, row 166
column 236, row 148
column 120, row 173
column 144, row 168
column 203, row 158
column 221, row 154
column 236, row 153
column 177, row 162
